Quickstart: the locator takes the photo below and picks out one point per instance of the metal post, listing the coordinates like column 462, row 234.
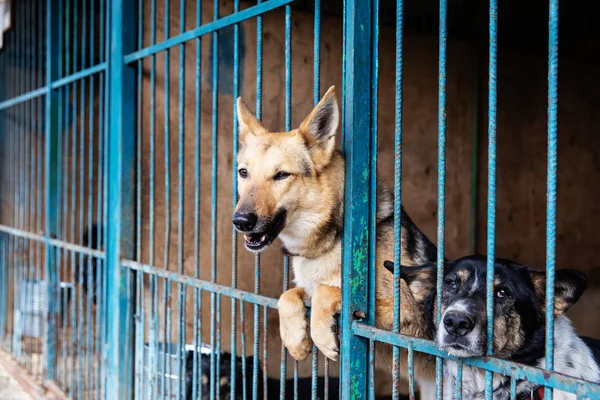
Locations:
column 357, row 150
column 52, row 171
column 121, row 198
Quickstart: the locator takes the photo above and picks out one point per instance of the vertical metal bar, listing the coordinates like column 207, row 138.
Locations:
column 259, row 78
column 256, row 338
column 411, row 372
column 357, row 148
column 52, row 186
column 73, row 206
column 491, row 217
column 153, row 330
column 288, row 126
column 81, row 207
column 397, row 191
column 140, row 304
column 441, row 211
column 180, row 204
column 166, row 367
column 316, row 97
column 121, row 198
column 234, row 198
column 373, row 190
column 265, row 354
column 459, row 373
column 513, row 388
column 551, row 185
column 92, row 261
column 197, row 294
column 243, row 355
column 214, row 176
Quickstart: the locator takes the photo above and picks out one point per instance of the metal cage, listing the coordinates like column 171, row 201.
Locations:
column 111, row 267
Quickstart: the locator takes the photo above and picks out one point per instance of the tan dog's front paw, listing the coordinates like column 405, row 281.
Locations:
column 295, row 338
column 325, row 337
column 293, row 325
column 326, row 303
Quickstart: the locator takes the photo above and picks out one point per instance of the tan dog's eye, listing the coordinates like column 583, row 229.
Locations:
column 281, row 175
column 243, row 172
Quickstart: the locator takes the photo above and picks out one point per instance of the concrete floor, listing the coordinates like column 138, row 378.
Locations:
column 10, row 388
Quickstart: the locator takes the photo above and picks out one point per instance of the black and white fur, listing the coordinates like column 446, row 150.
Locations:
column 519, row 322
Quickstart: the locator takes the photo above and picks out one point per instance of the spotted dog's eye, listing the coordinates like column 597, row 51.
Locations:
column 281, row 175
column 501, row 293
column 243, row 172
column 452, row 284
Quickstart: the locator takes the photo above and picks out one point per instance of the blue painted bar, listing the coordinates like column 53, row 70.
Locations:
column 213, row 201
column 357, row 150
column 459, row 374
column 537, row 376
column 551, row 184
column 316, row 98
column 180, row 203
column 288, row 126
column 441, row 210
column 197, row 367
column 52, row 185
column 491, row 210
column 23, row 98
column 121, row 198
column 397, row 189
column 234, row 198
column 166, row 367
column 78, row 76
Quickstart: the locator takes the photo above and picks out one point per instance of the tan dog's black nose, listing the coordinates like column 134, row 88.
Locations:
column 458, row 324
column 244, row 222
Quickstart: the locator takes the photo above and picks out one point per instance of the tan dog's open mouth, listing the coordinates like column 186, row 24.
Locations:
column 258, row 241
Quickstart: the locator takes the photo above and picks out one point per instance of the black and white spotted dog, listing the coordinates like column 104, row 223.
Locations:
column 519, row 322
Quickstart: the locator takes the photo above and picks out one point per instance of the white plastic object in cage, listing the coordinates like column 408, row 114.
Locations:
column 171, row 378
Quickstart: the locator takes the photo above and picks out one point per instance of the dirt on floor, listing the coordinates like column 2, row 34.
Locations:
column 10, row 388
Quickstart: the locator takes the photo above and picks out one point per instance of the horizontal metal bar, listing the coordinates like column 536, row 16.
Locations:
column 217, row 24
column 52, row 242
column 201, row 284
column 516, row 371
column 23, row 98
column 78, row 75
column 55, row 85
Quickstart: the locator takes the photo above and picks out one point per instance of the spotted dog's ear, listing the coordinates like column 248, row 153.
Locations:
column 420, row 280
column 569, row 285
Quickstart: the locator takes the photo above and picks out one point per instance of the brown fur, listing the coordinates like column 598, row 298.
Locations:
column 313, row 196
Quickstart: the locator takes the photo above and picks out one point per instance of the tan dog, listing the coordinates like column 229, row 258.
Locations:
column 291, row 186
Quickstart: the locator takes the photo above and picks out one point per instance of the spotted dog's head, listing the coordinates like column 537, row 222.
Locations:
column 519, row 304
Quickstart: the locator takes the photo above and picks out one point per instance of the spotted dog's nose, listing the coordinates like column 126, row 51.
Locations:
column 458, row 324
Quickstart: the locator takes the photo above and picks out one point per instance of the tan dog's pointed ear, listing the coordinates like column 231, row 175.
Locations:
column 569, row 285
column 319, row 129
column 247, row 122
